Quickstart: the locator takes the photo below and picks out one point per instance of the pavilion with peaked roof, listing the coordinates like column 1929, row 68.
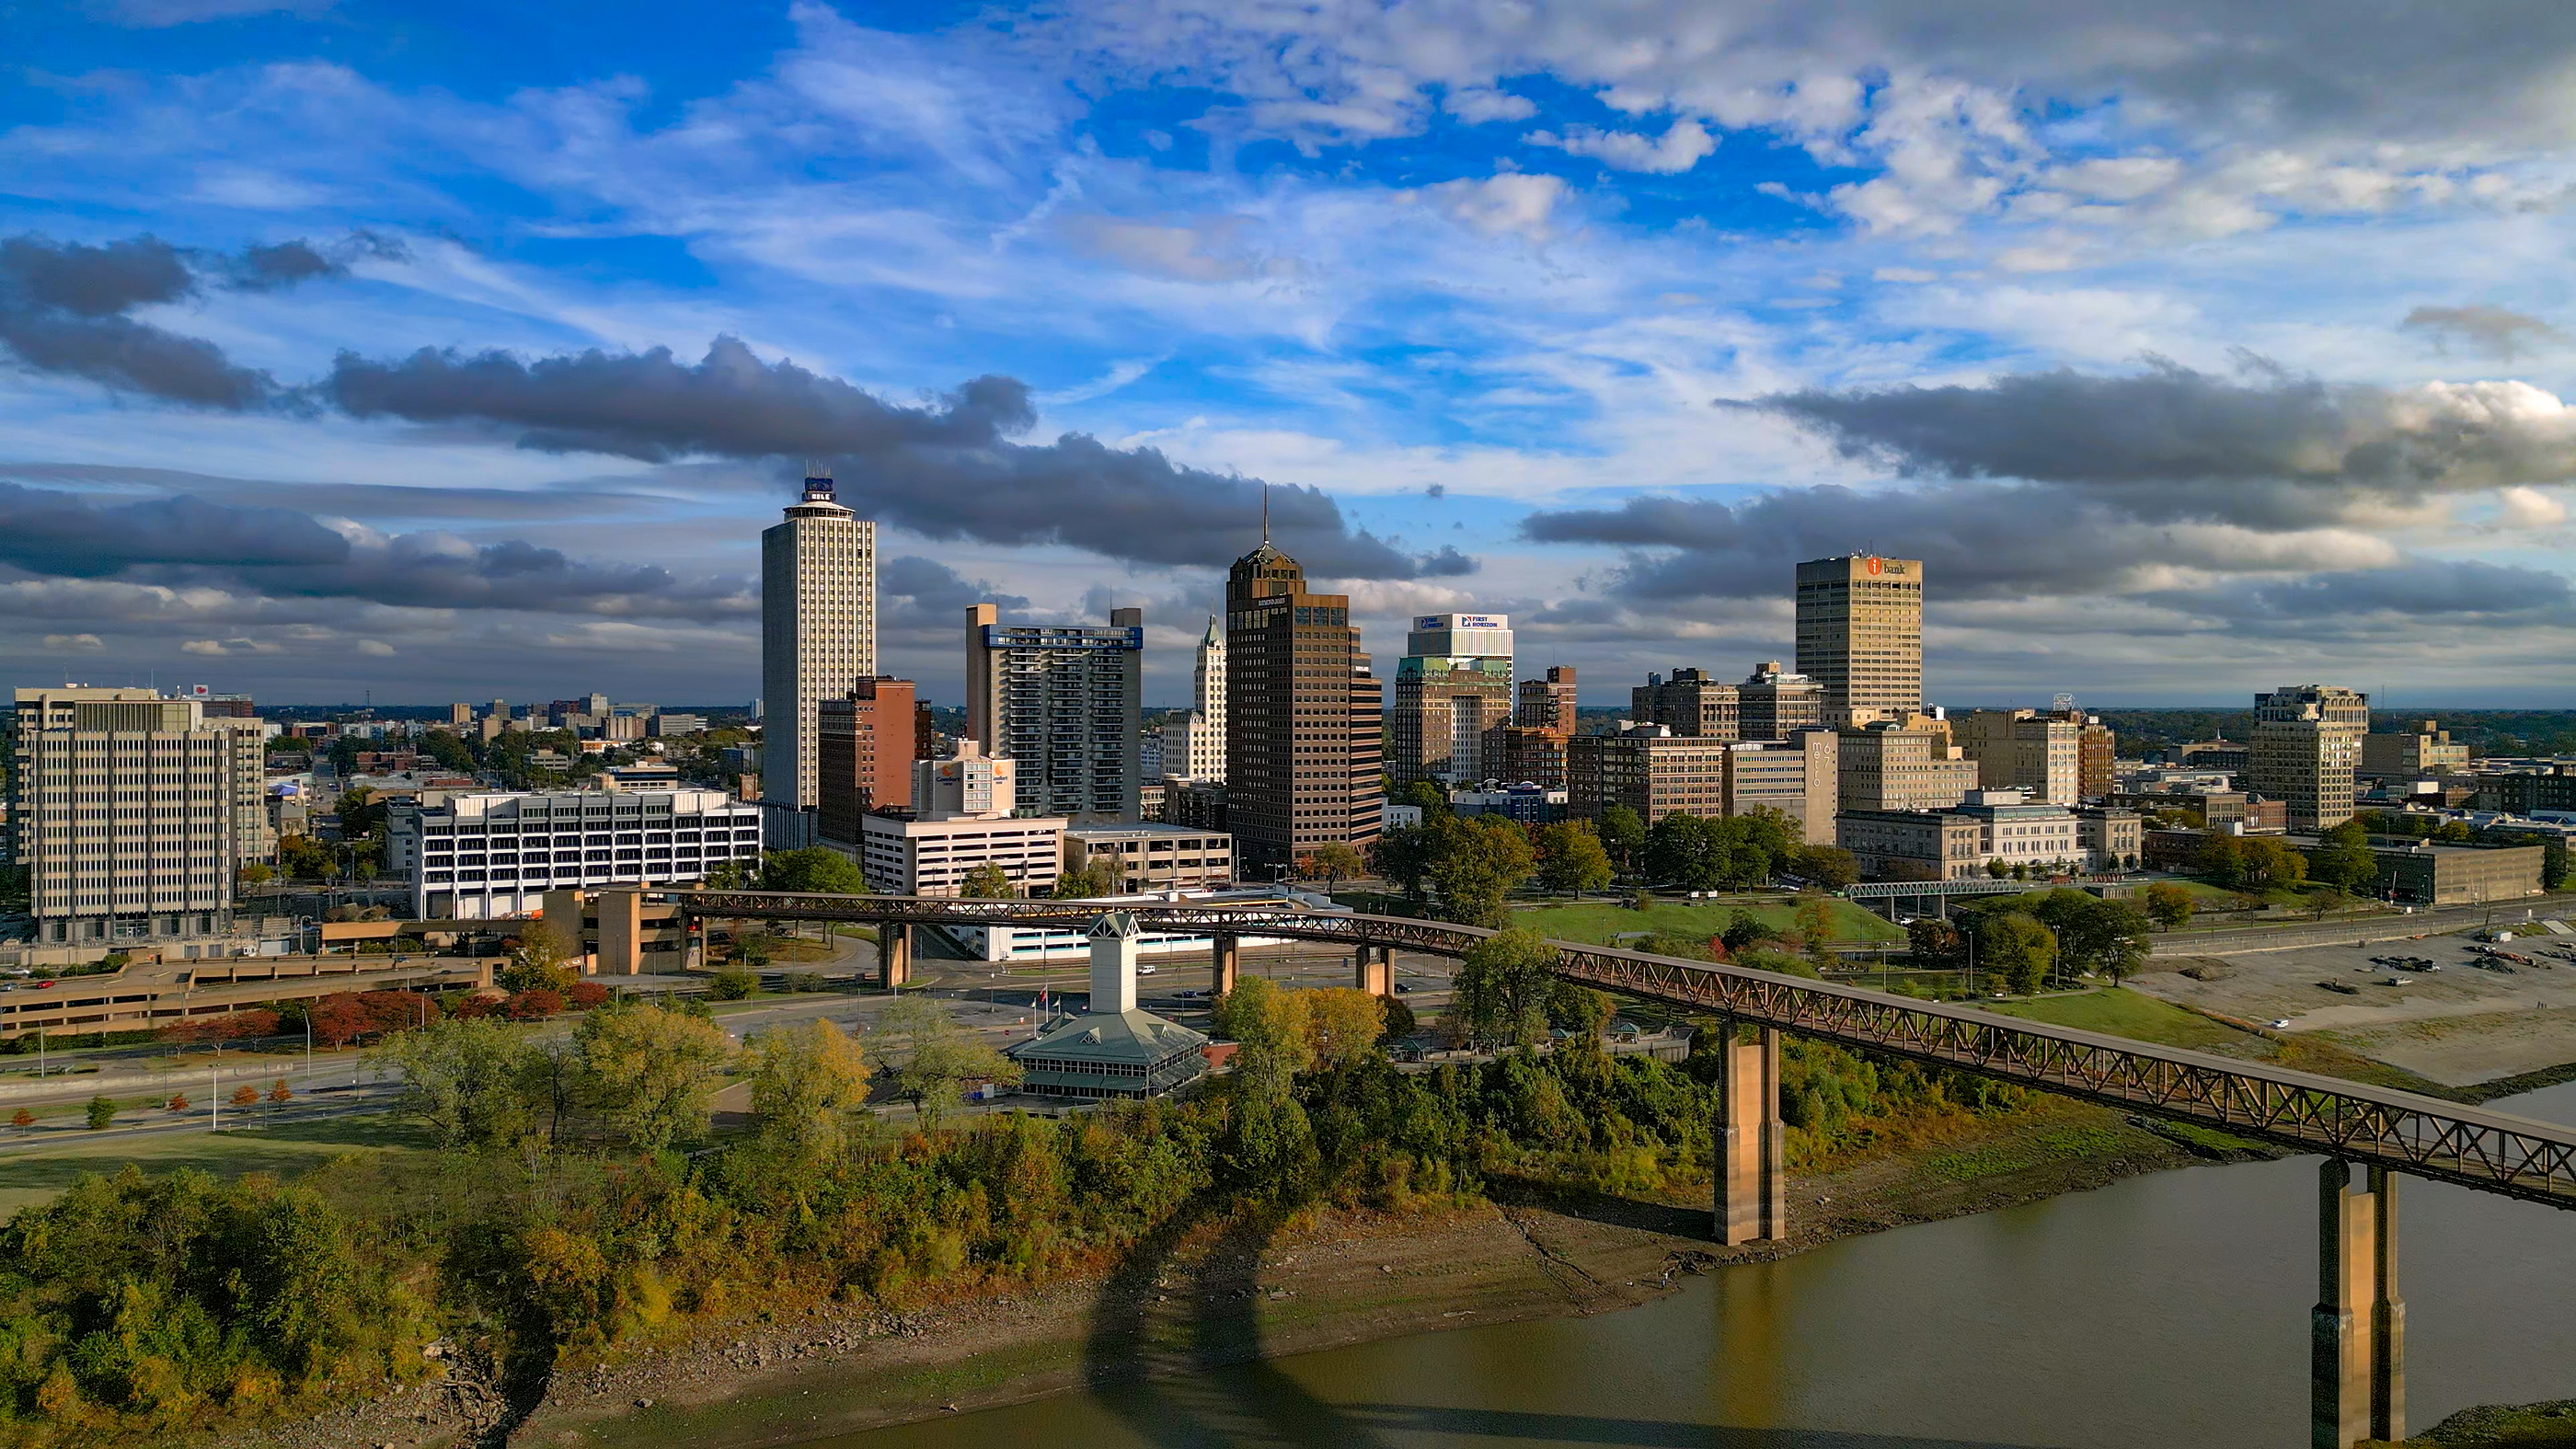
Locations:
column 1114, row 1049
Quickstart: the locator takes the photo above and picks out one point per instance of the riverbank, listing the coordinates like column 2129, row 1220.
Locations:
column 1232, row 1292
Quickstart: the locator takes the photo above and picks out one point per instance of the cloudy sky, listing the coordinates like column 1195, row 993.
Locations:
column 463, row 350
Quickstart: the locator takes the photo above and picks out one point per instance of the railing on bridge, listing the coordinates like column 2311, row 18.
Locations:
column 2489, row 1151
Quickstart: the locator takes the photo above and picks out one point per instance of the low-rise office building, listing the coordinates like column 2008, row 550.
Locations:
column 1648, row 769
column 1958, row 842
column 2424, row 750
column 1528, row 803
column 2419, row 872
column 478, row 855
column 1153, row 857
column 965, row 821
column 1798, row 777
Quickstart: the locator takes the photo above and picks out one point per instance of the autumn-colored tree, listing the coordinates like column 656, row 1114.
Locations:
column 2167, row 904
column 932, row 1059
column 178, row 1102
column 279, row 1094
column 1343, row 1025
column 245, row 1095
column 542, row 961
column 1333, row 862
column 652, row 1070
column 23, row 1120
column 583, row 995
column 804, row 1078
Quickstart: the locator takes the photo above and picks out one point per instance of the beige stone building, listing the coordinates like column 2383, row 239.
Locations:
column 2424, row 750
column 1799, row 777
column 2306, row 751
column 1888, row 766
column 1860, row 635
column 1153, row 857
column 1690, row 703
column 2022, row 749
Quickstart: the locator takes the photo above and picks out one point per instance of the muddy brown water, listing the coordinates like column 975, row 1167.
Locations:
column 2164, row 1311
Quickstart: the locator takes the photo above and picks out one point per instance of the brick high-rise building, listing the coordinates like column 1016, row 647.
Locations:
column 2306, row 750
column 1452, row 685
column 1547, row 703
column 1860, row 635
column 1690, row 704
column 818, row 632
column 1067, row 704
column 1293, row 700
column 865, row 741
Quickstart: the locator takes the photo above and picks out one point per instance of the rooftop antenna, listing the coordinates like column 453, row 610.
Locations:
column 1265, row 511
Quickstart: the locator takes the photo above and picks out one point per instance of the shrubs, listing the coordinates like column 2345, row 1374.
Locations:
column 732, row 983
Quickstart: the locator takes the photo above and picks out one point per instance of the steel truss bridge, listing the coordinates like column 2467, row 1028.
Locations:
column 2390, row 1130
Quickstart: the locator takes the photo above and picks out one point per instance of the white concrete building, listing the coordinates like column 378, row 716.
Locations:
column 476, row 856
column 818, row 631
column 965, row 820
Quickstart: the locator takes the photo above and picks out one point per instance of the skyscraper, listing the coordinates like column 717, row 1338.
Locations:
column 134, row 812
column 1860, row 635
column 864, row 743
column 818, row 632
column 2306, row 749
column 1065, row 704
column 1194, row 748
column 1293, row 700
column 1453, row 683
column 1773, row 704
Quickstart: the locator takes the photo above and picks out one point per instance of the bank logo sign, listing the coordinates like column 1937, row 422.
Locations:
column 1461, row 621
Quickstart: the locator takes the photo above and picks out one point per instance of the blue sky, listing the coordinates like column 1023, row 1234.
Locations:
column 2195, row 352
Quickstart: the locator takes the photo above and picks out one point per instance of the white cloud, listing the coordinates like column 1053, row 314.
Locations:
column 1477, row 105
column 2526, row 507
column 1683, row 145
column 68, row 642
column 1512, row 204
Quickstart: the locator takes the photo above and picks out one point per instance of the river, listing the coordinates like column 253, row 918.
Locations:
column 2164, row 1311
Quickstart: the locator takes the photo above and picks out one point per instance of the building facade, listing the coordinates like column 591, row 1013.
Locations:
column 1547, row 702
column 1523, row 754
column 1153, row 857
column 1453, row 684
column 1990, row 827
column 1860, row 635
column 2424, row 750
column 1065, row 703
column 479, row 856
column 1800, row 777
column 2022, row 749
column 1194, row 748
column 1295, row 704
column 818, row 632
column 864, row 755
column 1648, row 769
column 2306, row 751
column 1690, row 704
column 1773, row 704
column 1889, row 767
column 133, row 813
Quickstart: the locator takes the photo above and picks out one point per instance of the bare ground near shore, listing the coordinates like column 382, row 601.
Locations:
column 1231, row 1291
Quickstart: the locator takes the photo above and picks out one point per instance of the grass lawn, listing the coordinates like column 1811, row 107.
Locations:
column 2133, row 1014
column 1596, row 922
column 36, row 1174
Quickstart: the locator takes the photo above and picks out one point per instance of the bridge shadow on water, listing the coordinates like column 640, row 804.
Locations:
column 1175, row 1354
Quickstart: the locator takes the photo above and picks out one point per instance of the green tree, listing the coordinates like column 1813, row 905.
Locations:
column 2325, row 902
column 1744, row 929
column 102, row 1113
column 1830, row 867
column 462, row 1078
column 1571, row 858
column 252, row 876
column 816, row 870
column 541, row 962
column 652, row 1071
column 1623, row 835
column 2168, row 905
column 2553, row 864
column 1402, row 856
column 2342, row 858
column 1815, row 921
column 1997, row 870
column 1581, row 1010
column 1428, row 797
column 1332, row 862
column 1476, row 863
column 2017, row 949
column 734, row 983
column 1267, row 1023
column 1931, row 943
column 1501, row 988
column 732, row 875
column 987, row 882
column 2269, row 862
column 2221, row 858
column 932, row 1059
column 1088, row 881
column 804, row 1080
column 1343, row 1024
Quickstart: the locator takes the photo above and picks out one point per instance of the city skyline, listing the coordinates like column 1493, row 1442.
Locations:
column 446, row 368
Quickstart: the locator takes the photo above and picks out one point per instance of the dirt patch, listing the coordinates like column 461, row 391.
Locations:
column 2460, row 1051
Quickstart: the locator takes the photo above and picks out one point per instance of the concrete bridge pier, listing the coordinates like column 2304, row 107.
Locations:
column 894, row 954
column 1752, row 1187
column 1376, row 970
column 2357, row 1358
column 1225, row 955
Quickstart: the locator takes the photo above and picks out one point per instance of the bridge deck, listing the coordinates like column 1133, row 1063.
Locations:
column 2489, row 1151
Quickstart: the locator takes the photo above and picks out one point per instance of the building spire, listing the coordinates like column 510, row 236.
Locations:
column 1265, row 511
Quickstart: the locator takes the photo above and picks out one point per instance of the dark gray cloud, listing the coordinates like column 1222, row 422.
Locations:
column 925, row 601
column 2267, row 448
column 2422, row 589
column 279, row 552
column 63, row 306
column 351, row 500
column 2492, row 331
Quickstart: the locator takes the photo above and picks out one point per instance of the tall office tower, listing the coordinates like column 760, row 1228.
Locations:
column 1773, row 704
column 863, row 755
column 2022, row 749
column 1860, row 635
column 1066, row 704
column 1292, row 671
column 1368, row 754
column 460, row 714
column 1453, row 683
column 1690, row 704
column 1548, row 704
column 1194, row 748
column 134, row 812
column 818, row 632
column 2306, row 749
column 2097, row 748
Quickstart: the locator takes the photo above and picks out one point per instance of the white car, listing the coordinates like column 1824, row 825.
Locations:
column 2282, row 1024
column 1144, row 970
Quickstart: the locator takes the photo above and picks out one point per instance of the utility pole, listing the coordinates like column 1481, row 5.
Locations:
column 215, row 1099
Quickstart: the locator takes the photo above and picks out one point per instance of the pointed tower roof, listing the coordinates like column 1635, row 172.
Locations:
column 1215, row 634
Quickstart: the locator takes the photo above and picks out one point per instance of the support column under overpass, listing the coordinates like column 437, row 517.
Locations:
column 894, row 954
column 1376, row 970
column 1752, row 1185
column 2357, row 1352
column 1225, row 957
